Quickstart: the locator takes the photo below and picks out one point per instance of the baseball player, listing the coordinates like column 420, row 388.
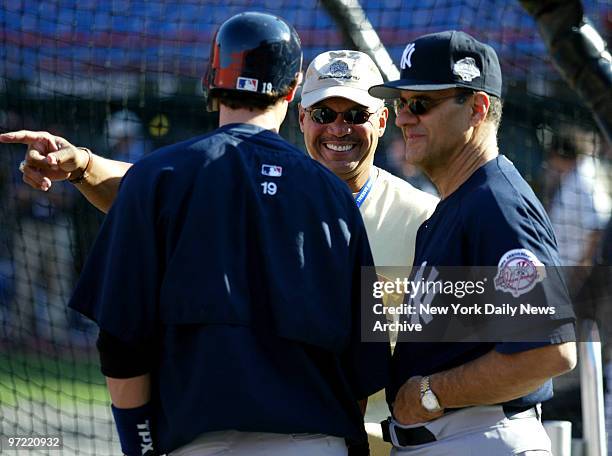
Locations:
column 342, row 125
column 225, row 278
column 468, row 398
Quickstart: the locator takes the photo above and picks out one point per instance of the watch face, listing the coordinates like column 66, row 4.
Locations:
column 430, row 402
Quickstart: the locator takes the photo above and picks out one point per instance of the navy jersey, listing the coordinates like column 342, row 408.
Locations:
column 494, row 212
column 239, row 258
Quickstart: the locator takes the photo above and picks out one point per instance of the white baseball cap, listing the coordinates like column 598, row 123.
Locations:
column 346, row 74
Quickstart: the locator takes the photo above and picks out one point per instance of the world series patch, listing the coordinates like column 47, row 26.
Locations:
column 518, row 272
column 466, row 69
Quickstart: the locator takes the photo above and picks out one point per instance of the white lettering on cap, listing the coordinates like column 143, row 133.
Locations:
column 406, row 56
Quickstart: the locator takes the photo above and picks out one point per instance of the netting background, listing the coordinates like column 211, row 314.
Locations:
column 122, row 77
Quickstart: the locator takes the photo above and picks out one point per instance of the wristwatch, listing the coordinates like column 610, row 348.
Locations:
column 429, row 400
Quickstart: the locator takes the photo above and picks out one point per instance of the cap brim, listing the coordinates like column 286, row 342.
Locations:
column 392, row 89
column 358, row 96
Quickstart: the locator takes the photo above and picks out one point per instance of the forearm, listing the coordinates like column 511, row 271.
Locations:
column 133, row 415
column 52, row 158
column 496, row 377
column 129, row 392
column 126, row 366
column 101, row 182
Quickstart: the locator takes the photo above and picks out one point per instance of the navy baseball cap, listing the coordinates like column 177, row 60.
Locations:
column 442, row 61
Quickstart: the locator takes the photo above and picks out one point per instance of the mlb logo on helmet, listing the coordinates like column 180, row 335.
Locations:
column 249, row 84
column 272, row 170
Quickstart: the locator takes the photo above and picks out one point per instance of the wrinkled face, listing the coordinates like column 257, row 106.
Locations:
column 434, row 136
column 346, row 149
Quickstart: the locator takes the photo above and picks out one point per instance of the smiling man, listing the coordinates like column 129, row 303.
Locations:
column 336, row 82
column 342, row 125
column 478, row 397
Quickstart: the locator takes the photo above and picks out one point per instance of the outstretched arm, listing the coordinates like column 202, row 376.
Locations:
column 52, row 158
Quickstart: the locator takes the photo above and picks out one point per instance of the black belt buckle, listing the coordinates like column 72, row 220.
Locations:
column 385, row 425
column 401, row 437
column 530, row 411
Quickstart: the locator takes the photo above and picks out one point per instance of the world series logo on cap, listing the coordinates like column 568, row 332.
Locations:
column 339, row 69
column 466, row 69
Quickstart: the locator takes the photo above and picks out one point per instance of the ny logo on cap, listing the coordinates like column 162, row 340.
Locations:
column 406, row 56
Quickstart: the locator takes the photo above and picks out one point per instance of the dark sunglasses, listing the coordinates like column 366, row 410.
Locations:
column 325, row 115
column 421, row 106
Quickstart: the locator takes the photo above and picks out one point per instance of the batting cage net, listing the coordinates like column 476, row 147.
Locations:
column 122, row 77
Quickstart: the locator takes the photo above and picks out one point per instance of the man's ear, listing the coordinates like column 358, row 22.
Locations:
column 301, row 114
column 480, row 108
column 383, row 117
column 291, row 95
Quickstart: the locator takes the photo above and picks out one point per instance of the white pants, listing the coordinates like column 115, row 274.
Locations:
column 482, row 431
column 239, row 443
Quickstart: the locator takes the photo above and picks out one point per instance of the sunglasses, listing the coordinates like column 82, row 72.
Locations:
column 325, row 115
column 421, row 106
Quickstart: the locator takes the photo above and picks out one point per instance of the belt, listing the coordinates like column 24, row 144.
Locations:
column 401, row 437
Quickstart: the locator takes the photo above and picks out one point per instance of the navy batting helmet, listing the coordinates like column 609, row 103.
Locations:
column 254, row 53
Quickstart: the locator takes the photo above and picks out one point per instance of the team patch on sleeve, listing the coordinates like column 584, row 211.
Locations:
column 518, row 271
